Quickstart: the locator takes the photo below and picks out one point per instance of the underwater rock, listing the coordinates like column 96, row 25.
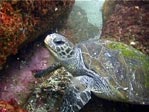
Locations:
column 48, row 95
column 127, row 23
column 23, row 21
column 107, row 9
column 10, row 106
column 17, row 79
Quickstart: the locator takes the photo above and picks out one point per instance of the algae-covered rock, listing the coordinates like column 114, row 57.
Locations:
column 48, row 95
column 126, row 21
column 23, row 21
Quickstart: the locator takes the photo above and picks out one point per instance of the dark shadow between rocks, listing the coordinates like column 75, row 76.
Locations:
column 101, row 105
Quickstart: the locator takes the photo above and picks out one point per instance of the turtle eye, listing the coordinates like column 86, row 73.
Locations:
column 58, row 41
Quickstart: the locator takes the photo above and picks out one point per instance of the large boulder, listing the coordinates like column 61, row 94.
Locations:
column 23, row 21
column 126, row 21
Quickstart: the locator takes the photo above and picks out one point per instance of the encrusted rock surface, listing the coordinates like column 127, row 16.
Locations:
column 17, row 79
column 48, row 95
column 23, row 21
column 128, row 23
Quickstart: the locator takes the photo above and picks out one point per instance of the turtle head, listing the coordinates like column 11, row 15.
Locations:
column 59, row 46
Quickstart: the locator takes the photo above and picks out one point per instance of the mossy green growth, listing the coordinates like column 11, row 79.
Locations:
column 126, row 50
column 132, row 53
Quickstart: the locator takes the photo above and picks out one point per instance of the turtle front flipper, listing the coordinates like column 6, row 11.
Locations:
column 77, row 94
column 50, row 69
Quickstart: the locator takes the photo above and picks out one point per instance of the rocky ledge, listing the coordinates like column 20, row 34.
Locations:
column 126, row 21
column 22, row 22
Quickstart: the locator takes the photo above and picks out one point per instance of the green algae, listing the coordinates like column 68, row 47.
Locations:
column 126, row 50
column 132, row 53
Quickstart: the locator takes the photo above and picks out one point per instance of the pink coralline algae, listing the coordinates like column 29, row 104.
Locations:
column 18, row 79
column 43, row 55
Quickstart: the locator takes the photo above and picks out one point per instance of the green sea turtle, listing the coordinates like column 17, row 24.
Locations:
column 109, row 70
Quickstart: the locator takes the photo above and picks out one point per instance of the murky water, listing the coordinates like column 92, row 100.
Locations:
column 84, row 21
column 93, row 10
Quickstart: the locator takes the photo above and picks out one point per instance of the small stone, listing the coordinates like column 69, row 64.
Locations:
column 18, row 58
column 56, row 8
column 132, row 43
column 136, row 7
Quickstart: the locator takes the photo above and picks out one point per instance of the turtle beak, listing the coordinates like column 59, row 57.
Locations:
column 48, row 43
column 47, row 40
